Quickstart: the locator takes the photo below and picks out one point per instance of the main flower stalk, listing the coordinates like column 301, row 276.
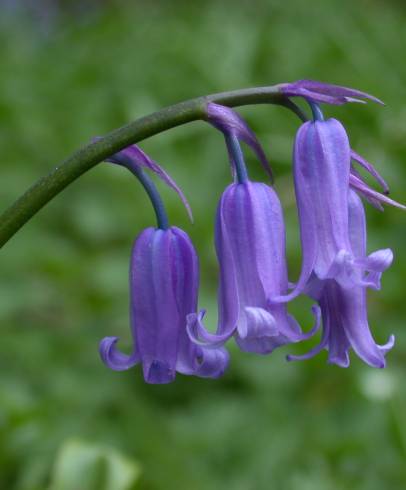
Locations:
column 95, row 152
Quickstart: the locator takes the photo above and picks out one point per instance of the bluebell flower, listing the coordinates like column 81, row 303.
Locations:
column 344, row 311
column 323, row 177
column 250, row 247
column 164, row 281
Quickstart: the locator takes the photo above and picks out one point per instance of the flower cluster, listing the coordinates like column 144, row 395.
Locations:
column 168, row 332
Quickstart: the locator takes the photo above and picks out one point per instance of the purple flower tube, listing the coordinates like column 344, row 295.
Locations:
column 322, row 163
column 250, row 246
column 164, row 278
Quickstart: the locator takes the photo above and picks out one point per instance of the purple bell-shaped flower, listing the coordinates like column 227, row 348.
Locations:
column 250, row 246
column 164, row 281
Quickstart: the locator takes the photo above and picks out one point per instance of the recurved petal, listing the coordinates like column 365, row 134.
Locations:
column 113, row 358
column 298, row 335
column 211, row 363
column 315, row 350
column 201, row 336
column 388, row 346
column 365, row 346
column 351, row 312
column 377, row 261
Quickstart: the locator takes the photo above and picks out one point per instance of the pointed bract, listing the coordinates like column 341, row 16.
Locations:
column 164, row 279
column 357, row 183
column 230, row 122
column 327, row 93
column 133, row 157
column 371, row 169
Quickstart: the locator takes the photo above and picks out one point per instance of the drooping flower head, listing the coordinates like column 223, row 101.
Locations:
column 344, row 311
column 164, row 279
column 250, row 246
column 322, row 174
column 335, row 269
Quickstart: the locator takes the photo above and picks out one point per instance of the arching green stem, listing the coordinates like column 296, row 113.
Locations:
column 93, row 153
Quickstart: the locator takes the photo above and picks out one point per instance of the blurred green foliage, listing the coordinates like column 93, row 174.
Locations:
column 63, row 286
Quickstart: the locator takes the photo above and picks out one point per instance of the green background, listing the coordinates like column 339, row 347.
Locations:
column 66, row 421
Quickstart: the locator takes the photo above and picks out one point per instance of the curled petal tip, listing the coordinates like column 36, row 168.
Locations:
column 388, row 346
column 316, row 311
column 212, row 363
column 200, row 336
column 113, row 358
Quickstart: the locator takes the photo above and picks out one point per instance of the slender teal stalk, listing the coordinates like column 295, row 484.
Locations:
column 156, row 201
column 95, row 152
column 235, row 149
column 316, row 111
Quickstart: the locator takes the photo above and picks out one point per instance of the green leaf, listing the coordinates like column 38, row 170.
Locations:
column 81, row 465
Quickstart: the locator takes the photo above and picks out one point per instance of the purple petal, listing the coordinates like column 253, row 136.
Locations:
column 315, row 350
column 325, row 92
column 133, row 156
column 192, row 359
column 257, row 323
column 200, row 336
column 316, row 311
column 377, row 261
column 353, row 313
column 113, row 358
column 230, row 122
column 211, row 363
